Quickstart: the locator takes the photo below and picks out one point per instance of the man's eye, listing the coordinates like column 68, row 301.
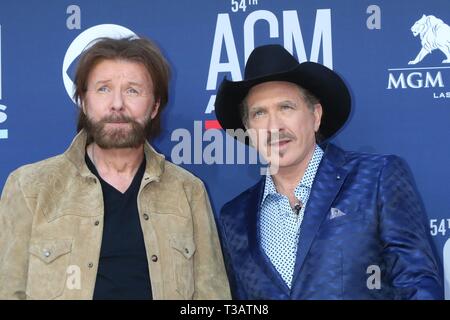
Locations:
column 132, row 92
column 286, row 107
column 258, row 113
column 103, row 90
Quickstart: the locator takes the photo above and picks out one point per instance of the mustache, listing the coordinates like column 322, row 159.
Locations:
column 117, row 118
column 273, row 138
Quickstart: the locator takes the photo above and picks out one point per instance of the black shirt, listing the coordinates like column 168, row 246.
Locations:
column 123, row 267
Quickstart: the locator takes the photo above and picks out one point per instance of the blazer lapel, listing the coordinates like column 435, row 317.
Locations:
column 252, row 216
column 327, row 183
column 254, row 209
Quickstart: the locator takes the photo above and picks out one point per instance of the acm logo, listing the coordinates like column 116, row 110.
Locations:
column 85, row 40
column 286, row 27
column 434, row 35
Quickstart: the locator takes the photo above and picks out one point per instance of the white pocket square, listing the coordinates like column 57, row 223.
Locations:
column 335, row 212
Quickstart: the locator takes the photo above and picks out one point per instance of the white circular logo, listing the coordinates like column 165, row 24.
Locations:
column 81, row 43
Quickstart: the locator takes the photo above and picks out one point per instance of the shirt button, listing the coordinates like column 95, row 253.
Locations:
column 145, row 216
column 186, row 250
column 338, row 177
column 154, row 258
column 96, row 222
column 90, row 265
column 47, row 253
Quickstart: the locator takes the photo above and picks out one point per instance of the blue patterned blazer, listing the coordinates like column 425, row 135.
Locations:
column 378, row 249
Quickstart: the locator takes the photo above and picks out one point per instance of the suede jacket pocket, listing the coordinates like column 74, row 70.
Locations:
column 47, row 270
column 184, row 249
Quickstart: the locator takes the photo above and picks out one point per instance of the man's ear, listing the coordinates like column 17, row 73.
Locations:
column 318, row 116
column 82, row 106
column 155, row 109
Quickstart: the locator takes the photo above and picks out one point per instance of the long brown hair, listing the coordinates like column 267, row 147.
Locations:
column 139, row 50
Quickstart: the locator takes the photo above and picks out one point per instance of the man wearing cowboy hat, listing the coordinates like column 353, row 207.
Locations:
column 326, row 223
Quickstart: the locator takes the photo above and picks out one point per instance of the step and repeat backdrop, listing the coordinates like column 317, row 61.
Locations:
column 394, row 55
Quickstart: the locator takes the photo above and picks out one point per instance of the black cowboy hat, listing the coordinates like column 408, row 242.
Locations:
column 275, row 63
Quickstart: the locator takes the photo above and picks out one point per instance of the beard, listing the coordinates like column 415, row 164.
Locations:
column 131, row 135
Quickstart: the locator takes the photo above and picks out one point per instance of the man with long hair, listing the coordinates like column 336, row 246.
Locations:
column 110, row 218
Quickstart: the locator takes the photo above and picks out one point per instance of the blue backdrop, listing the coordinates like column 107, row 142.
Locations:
column 398, row 107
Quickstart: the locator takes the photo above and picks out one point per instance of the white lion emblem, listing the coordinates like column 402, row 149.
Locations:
column 434, row 34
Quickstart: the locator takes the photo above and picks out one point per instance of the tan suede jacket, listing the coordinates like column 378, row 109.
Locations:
column 51, row 223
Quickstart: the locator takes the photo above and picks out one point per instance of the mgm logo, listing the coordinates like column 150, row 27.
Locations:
column 434, row 34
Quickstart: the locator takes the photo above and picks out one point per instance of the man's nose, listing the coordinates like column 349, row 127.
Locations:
column 274, row 123
column 117, row 102
column 274, row 128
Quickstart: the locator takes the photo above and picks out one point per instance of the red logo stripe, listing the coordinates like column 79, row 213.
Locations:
column 212, row 124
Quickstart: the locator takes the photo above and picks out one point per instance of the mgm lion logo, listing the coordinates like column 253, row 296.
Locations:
column 434, row 34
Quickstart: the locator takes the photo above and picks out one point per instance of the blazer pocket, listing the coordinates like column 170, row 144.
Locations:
column 47, row 269
column 342, row 227
column 184, row 249
column 347, row 219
